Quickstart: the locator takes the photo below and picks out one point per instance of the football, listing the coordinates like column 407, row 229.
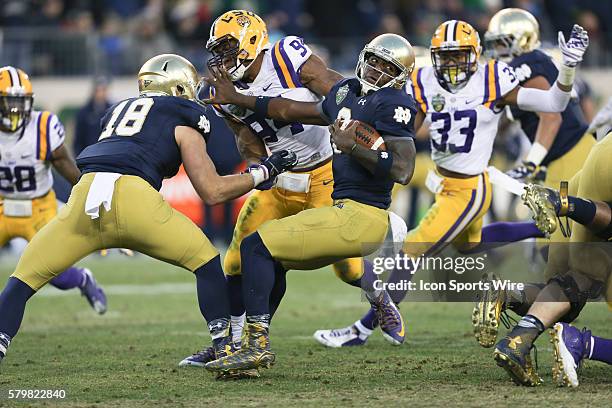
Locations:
column 367, row 136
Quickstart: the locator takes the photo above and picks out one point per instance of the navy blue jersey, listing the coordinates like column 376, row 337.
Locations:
column 138, row 138
column 533, row 64
column 391, row 112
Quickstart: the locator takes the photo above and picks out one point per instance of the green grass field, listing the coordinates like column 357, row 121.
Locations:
column 129, row 356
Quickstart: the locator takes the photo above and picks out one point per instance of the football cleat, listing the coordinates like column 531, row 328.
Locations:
column 345, row 337
column 511, row 357
column 389, row 319
column 93, row 293
column 570, row 347
column 254, row 353
column 488, row 312
column 200, row 358
column 546, row 204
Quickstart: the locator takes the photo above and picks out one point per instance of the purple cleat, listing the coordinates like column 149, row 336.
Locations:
column 570, row 347
column 389, row 318
column 93, row 292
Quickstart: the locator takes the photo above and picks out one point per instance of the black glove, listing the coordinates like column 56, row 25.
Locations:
column 279, row 162
column 528, row 172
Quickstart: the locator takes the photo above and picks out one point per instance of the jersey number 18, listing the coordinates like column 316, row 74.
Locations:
column 130, row 122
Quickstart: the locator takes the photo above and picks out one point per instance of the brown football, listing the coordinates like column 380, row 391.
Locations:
column 367, row 136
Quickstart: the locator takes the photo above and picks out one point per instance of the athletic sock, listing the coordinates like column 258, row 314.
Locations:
column 237, row 323
column 529, row 329
column 12, row 306
column 601, row 349
column 257, row 276
column 212, row 291
column 72, row 277
column 580, row 210
column 279, row 288
column 367, row 323
column 5, row 341
column 362, row 330
column 501, row 233
column 234, row 290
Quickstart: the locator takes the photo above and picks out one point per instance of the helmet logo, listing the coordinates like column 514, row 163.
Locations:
column 438, row 102
column 243, row 21
column 146, row 82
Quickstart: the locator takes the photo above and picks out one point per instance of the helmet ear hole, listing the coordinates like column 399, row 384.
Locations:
column 180, row 89
column 253, row 40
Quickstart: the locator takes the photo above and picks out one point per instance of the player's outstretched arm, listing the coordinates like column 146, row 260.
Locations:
column 397, row 162
column 283, row 109
column 64, row 164
column 213, row 188
column 558, row 96
column 317, row 76
column 548, row 126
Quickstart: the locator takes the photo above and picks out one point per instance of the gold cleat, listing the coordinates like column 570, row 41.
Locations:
column 244, row 363
column 540, row 201
column 487, row 313
column 517, row 364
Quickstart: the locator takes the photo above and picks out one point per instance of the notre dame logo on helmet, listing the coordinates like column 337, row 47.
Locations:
column 438, row 102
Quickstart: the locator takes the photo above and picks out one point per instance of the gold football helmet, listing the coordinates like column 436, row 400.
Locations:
column 236, row 39
column 391, row 48
column 168, row 74
column 511, row 32
column 455, row 49
column 16, row 99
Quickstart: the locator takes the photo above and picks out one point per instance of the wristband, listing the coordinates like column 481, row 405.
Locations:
column 566, row 75
column 259, row 174
column 537, row 154
column 383, row 164
column 261, row 106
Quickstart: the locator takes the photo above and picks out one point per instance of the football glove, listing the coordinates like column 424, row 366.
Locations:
column 528, row 171
column 279, row 162
column 573, row 50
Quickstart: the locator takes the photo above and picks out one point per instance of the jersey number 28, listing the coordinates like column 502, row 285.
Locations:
column 131, row 120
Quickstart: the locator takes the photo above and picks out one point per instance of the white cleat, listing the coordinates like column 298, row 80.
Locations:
column 345, row 337
column 565, row 369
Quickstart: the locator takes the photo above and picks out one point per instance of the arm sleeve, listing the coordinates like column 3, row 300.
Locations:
column 538, row 100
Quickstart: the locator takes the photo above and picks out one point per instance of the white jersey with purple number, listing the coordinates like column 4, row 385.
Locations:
column 25, row 167
column 463, row 125
column 279, row 76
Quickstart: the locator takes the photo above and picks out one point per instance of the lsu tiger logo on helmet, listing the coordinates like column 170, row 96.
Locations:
column 455, row 49
column 511, row 32
column 237, row 37
column 16, row 99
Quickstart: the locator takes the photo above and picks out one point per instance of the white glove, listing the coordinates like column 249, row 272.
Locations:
column 603, row 118
column 573, row 50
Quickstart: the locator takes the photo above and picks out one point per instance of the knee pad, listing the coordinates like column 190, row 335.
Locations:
column 576, row 296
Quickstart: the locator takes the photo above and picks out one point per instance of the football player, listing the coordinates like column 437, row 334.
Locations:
column 116, row 202
column 463, row 101
column 357, row 223
column 31, row 142
column 560, row 142
column 585, row 275
column 239, row 44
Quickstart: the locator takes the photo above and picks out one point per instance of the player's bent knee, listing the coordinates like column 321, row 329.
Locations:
column 578, row 289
